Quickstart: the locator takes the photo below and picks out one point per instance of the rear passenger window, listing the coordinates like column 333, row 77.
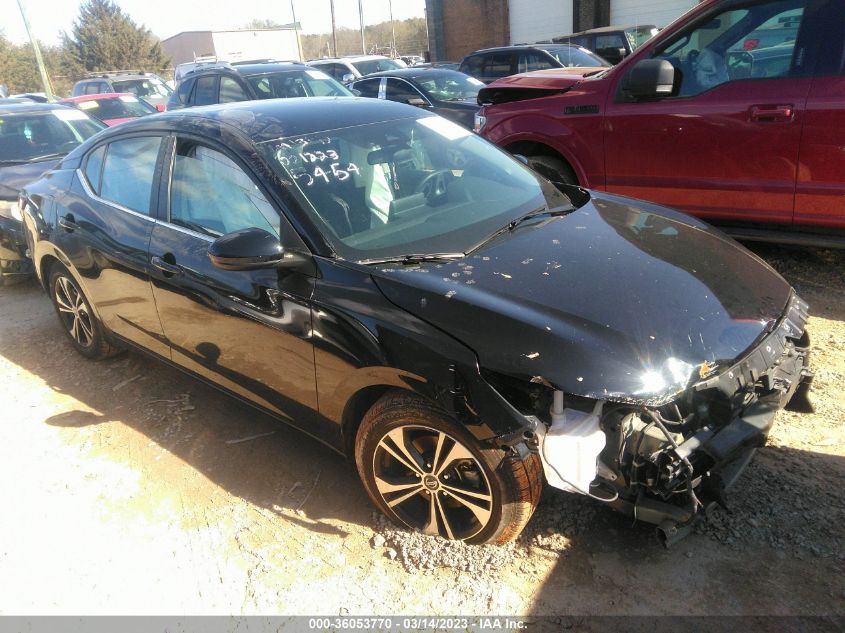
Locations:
column 93, row 168
column 206, row 90
column 128, row 172
column 211, row 194
column 367, row 87
column 498, row 65
column 530, row 60
column 184, row 90
column 231, row 91
column 472, row 65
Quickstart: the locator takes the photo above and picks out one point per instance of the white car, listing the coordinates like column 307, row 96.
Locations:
column 348, row 69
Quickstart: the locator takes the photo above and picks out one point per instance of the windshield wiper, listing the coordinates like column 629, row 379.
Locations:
column 413, row 258
column 510, row 226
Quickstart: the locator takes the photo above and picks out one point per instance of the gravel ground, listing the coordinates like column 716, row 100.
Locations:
column 134, row 489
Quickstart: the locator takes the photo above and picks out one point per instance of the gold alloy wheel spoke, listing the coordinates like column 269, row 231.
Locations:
column 403, row 454
column 386, row 487
column 457, row 452
column 481, row 513
column 444, row 517
column 403, row 498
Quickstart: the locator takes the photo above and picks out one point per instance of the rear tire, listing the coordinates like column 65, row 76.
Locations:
column 427, row 472
column 76, row 317
column 553, row 168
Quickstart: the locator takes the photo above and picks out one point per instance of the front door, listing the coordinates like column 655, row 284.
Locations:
column 726, row 146
column 247, row 331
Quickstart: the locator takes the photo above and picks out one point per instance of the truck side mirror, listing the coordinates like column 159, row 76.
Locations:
column 612, row 54
column 650, row 79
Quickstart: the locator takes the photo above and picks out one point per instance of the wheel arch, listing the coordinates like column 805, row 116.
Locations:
column 528, row 147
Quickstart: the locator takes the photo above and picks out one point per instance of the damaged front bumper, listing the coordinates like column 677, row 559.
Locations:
column 668, row 465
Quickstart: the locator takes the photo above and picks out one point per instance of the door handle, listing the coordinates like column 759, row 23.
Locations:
column 68, row 223
column 166, row 267
column 772, row 113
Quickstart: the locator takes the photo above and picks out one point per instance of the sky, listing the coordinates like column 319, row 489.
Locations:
column 48, row 17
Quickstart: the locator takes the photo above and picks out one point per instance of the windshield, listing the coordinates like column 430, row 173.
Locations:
column 407, row 186
column 122, row 107
column 30, row 136
column 576, row 57
column 296, row 83
column 367, row 66
column 449, row 86
column 640, row 35
column 144, row 88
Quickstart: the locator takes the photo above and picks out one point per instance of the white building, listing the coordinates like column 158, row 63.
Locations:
column 233, row 46
column 538, row 20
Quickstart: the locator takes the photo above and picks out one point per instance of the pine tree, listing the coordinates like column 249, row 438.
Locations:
column 103, row 38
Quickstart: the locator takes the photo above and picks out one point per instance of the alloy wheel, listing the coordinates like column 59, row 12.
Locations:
column 73, row 311
column 432, row 482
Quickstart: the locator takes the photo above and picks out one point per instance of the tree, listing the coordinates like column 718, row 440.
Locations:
column 103, row 38
column 261, row 23
column 410, row 39
column 19, row 71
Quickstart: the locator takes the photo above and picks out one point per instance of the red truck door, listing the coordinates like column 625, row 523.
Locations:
column 726, row 144
column 820, row 194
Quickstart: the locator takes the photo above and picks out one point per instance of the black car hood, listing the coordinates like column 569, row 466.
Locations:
column 13, row 178
column 619, row 299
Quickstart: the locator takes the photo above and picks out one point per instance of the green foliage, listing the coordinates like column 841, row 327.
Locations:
column 410, row 39
column 20, row 73
column 261, row 23
column 103, row 38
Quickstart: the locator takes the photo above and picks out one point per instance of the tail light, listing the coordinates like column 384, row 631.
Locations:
column 750, row 44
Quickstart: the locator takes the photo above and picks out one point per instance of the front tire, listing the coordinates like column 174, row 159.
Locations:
column 425, row 471
column 78, row 321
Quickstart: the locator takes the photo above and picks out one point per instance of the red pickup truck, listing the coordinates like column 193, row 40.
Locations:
column 734, row 113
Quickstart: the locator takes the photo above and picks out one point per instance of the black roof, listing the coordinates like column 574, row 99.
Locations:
column 520, row 47
column 247, row 69
column 610, row 29
column 413, row 72
column 270, row 119
column 29, row 106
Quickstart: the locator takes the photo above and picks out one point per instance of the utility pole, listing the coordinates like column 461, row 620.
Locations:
column 45, row 80
column 361, row 17
column 334, row 29
column 296, row 30
column 392, row 29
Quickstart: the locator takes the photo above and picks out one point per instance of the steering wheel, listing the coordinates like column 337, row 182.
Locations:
column 434, row 185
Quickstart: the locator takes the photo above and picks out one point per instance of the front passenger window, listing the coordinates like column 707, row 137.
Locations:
column 212, row 195
column 751, row 42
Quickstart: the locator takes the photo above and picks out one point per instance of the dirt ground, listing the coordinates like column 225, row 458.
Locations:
column 130, row 488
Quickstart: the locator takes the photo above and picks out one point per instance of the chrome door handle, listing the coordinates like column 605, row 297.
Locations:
column 68, row 223
column 166, row 267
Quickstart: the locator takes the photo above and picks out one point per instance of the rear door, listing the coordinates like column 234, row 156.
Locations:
column 105, row 223
column 820, row 193
column 726, row 146
column 247, row 331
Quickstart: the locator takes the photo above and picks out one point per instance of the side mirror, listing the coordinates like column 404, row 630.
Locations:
column 418, row 102
column 355, row 91
column 348, row 78
column 650, row 79
column 247, row 249
column 612, row 54
column 160, row 107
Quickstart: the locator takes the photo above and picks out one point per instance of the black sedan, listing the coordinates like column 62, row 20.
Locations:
column 422, row 302
column 33, row 137
column 450, row 94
